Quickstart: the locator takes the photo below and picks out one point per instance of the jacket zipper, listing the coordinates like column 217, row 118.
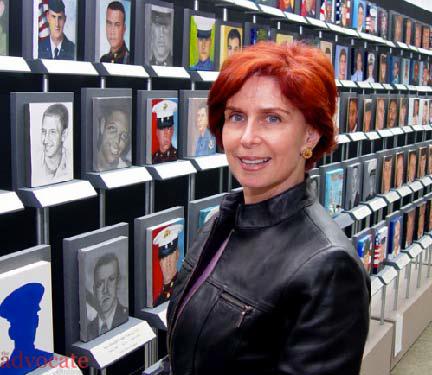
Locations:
column 245, row 309
column 187, row 282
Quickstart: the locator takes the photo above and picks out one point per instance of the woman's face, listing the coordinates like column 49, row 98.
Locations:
column 263, row 136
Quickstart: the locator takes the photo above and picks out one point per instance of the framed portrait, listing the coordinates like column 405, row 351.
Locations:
column 414, row 111
column 55, row 25
column 200, row 211
column 380, row 111
column 327, row 49
column 336, row 116
column 395, row 225
column 422, row 155
column 26, row 316
column 310, row 8
column 392, row 112
column 403, row 111
column 103, row 287
column 386, row 173
column 417, row 34
column 430, row 111
column 408, row 31
column 426, row 36
column 230, row 40
column 429, row 163
column 382, row 23
column 288, row 5
column 395, row 70
column 165, row 246
column 157, row 127
column 352, row 116
column 425, row 78
column 364, row 245
column 281, row 37
column 371, row 24
column 202, row 47
column 396, row 26
column 412, row 165
column 254, row 33
column 112, row 133
column 366, row 115
column 344, row 13
column 359, row 15
column 383, row 68
column 50, row 143
column 415, row 73
column 405, row 71
column 371, row 67
column 333, row 189
column 370, row 166
column 428, row 219
column 327, row 10
column 424, row 110
column 156, row 27
column 4, row 28
column 409, row 216
column 399, row 177
column 380, row 237
column 357, row 64
column 353, row 184
column 341, row 62
column 314, row 183
column 420, row 220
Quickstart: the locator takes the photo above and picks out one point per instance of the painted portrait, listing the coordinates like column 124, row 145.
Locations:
column 341, row 62
column 162, row 35
column 202, row 43
column 395, row 237
column 334, row 183
column 231, row 41
column 364, row 251
column 380, row 248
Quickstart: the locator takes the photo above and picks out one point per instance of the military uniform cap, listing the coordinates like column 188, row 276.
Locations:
column 167, row 240
column 165, row 113
column 371, row 58
column 204, row 26
column 161, row 15
column 56, row 6
column 24, row 299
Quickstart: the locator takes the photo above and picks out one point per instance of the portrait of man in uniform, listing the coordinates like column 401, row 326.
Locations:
column 202, row 31
column 382, row 69
column 369, row 179
column 392, row 114
column 395, row 70
column 167, row 257
column 415, row 73
column 286, row 5
column 116, row 21
column 308, row 8
column 164, row 121
column 205, row 142
column 352, row 196
column 352, row 117
column 161, row 36
column 359, row 17
column 51, row 143
column 56, row 45
column 112, row 133
column 370, row 69
column 380, row 114
column 110, row 312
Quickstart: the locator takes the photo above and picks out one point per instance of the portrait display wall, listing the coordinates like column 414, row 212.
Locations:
column 103, row 287
column 157, row 127
column 195, row 137
column 106, row 129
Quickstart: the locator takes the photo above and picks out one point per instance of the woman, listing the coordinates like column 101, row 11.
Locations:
column 264, row 288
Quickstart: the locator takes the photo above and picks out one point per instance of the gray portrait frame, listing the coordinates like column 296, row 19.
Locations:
column 87, row 95
column 350, row 164
column 365, row 159
column 322, row 172
column 247, row 26
column 71, row 247
column 142, row 258
column 381, row 155
column 19, row 138
column 194, row 208
column 143, row 137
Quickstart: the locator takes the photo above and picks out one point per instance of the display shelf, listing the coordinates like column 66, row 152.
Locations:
column 161, row 367
column 337, row 83
column 397, row 131
column 414, row 250
column 366, row 36
column 118, row 177
column 415, row 186
column 426, row 181
column 271, row 11
column 57, row 194
column 377, row 86
column 378, row 349
column 167, row 72
column 59, row 365
column 401, row 261
column 376, row 285
column 295, row 18
column 385, row 133
column 343, row 220
column 343, row 138
column 202, row 76
column 401, row 87
column 9, row 202
column 115, row 344
column 427, row 127
column 318, row 23
column 203, row 163
column 155, row 317
column 376, row 204
column 121, row 70
column 412, row 88
column 348, row 83
column 425, row 242
column 357, row 136
column 12, row 64
column 335, row 28
column 402, row 45
column 166, row 171
column 407, row 129
column 404, row 191
column 387, row 86
column 360, row 212
column 372, row 135
column 364, row 85
column 418, row 128
column 69, row 67
column 391, row 197
column 390, row 44
column 387, row 275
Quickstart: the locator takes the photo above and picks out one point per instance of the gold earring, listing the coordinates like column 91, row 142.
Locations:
column 307, row 153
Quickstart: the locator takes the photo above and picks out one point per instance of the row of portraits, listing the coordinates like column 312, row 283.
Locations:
column 361, row 65
column 343, row 185
column 168, row 127
column 385, row 241
column 365, row 113
column 143, row 32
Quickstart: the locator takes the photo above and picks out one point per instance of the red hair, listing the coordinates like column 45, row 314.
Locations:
column 305, row 76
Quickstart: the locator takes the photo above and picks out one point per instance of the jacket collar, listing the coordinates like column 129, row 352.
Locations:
column 266, row 213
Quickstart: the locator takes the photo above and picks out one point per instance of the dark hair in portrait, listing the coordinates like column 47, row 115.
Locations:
column 116, row 5
column 60, row 111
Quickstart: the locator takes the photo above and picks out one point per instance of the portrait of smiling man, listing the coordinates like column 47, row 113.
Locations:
column 116, row 29
column 57, row 45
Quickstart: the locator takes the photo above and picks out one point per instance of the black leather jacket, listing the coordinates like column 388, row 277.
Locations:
column 288, row 295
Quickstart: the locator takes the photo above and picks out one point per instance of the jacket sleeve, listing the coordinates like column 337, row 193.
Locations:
column 332, row 322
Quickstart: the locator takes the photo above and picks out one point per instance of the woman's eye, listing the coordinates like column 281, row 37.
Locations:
column 235, row 117
column 272, row 119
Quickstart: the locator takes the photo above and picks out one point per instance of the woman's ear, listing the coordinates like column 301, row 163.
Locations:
column 312, row 137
